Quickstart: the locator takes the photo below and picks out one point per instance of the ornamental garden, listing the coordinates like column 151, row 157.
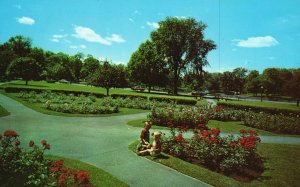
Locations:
column 215, row 138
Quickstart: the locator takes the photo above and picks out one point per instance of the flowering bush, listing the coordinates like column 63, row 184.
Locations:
column 28, row 167
column 184, row 115
column 225, row 154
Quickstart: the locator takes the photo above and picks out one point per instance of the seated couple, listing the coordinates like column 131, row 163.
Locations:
column 144, row 147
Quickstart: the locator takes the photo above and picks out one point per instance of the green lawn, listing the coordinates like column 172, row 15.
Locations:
column 3, row 112
column 282, row 167
column 227, row 127
column 80, row 87
column 40, row 108
column 266, row 104
column 98, row 177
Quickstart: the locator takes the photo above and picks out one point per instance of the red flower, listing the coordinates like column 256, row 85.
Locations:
column 243, row 131
column 213, row 139
column 216, row 131
column 17, row 142
column 47, row 146
column 10, row 133
column 31, row 143
column 82, row 177
column 197, row 136
column 201, row 126
column 179, row 138
column 170, row 124
column 44, row 142
column 62, row 179
column 232, row 144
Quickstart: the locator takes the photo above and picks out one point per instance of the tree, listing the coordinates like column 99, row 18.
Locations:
column 75, row 66
column 179, row 42
column 25, row 68
column 227, row 81
column 292, row 87
column 239, row 78
column 20, row 45
column 107, row 76
column 58, row 67
column 253, row 83
column 6, row 57
column 39, row 56
column 146, row 67
column 213, row 82
column 89, row 66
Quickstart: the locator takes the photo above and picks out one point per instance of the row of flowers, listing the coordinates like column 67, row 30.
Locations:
column 29, row 167
column 228, row 154
column 192, row 116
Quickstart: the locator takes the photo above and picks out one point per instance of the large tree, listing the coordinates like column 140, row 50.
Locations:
column 6, row 57
column 20, row 45
column 90, row 65
column 292, row 87
column 180, row 42
column 253, row 83
column 25, row 68
column 146, row 66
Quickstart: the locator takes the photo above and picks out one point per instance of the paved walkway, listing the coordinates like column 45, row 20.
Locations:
column 100, row 141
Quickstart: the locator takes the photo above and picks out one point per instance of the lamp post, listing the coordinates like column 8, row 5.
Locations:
column 261, row 92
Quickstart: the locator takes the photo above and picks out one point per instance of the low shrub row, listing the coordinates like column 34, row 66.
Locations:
column 76, row 93
column 83, row 108
column 127, row 96
column 174, row 100
column 179, row 116
column 288, row 112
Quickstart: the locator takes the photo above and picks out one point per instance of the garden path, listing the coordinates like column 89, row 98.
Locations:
column 100, row 141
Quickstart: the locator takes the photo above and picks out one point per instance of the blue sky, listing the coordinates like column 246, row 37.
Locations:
column 254, row 34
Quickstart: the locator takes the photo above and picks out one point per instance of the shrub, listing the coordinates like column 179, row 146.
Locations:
column 29, row 167
column 287, row 112
column 174, row 100
column 127, row 96
column 184, row 115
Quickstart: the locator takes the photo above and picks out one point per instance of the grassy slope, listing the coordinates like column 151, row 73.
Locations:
column 98, row 177
column 3, row 112
column 282, row 167
column 76, row 87
column 40, row 108
column 266, row 104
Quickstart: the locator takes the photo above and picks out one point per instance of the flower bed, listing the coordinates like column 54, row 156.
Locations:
column 29, row 167
column 232, row 156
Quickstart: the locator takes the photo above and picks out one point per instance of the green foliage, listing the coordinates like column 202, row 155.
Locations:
column 147, row 67
column 181, row 41
column 25, row 68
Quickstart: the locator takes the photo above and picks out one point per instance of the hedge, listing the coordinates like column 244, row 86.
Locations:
column 17, row 90
column 176, row 100
column 114, row 96
column 289, row 112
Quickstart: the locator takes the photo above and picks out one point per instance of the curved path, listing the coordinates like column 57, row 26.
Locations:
column 100, row 141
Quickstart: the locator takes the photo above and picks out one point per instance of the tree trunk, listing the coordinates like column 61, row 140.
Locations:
column 26, row 82
column 149, row 89
column 298, row 102
column 107, row 91
column 175, row 90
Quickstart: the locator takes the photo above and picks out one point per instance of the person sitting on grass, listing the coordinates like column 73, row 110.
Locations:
column 144, row 136
column 153, row 149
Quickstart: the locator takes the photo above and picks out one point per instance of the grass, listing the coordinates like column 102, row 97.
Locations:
column 81, row 87
column 3, row 112
column 226, row 127
column 40, row 108
column 98, row 177
column 282, row 167
column 266, row 104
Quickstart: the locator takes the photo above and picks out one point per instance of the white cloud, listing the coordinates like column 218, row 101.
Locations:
column 26, row 20
column 55, row 40
column 89, row 35
column 180, row 17
column 115, row 38
column 256, row 42
column 77, row 46
column 153, row 24
column 59, row 36
column 131, row 20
